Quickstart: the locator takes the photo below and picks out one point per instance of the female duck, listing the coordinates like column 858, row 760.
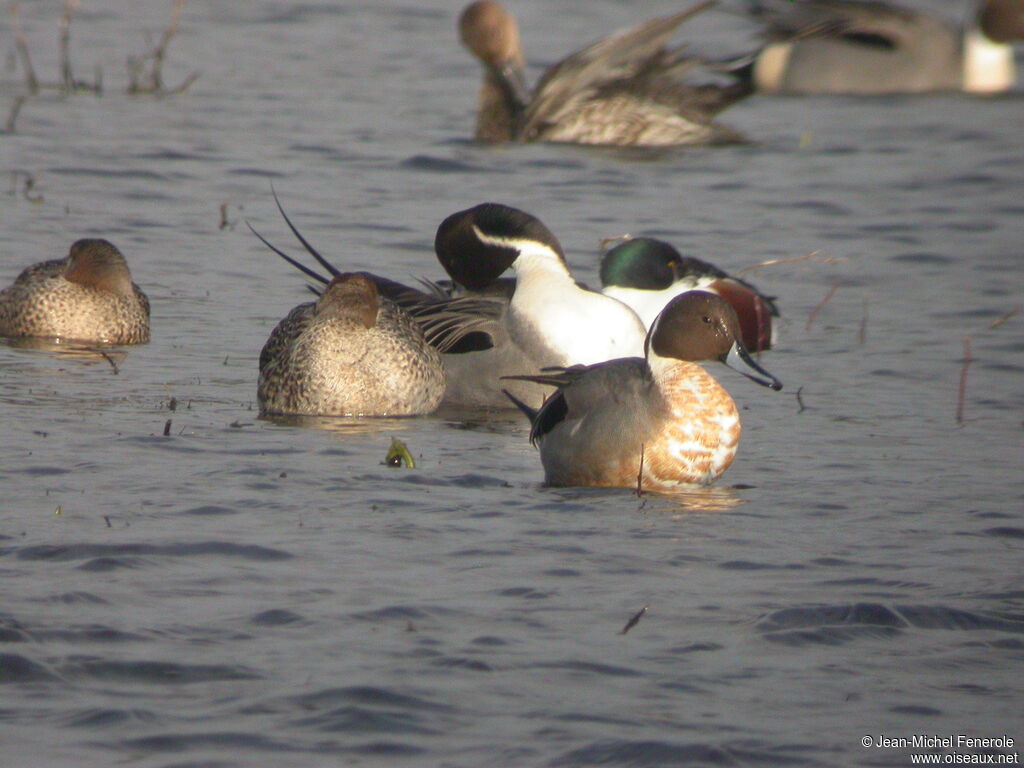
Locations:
column 623, row 90
column 645, row 273
column 658, row 423
column 87, row 296
column 869, row 47
column 349, row 353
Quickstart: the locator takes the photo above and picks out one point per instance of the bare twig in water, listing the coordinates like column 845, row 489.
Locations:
column 167, row 428
column 800, row 400
column 607, row 241
column 68, row 84
column 862, row 335
column 822, row 303
column 634, row 620
column 21, row 44
column 110, row 360
column 640, row 474
column 152, row 81
column 810, row 257
column 961, row 395
column 12, row 116
column 1000, row 320
column 30, row 183
column 224, row 223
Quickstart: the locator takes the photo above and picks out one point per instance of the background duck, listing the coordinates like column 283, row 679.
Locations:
column 87, row 296
column 862, row 47
column 660, row 422
column 350, row 352
column 623, row 90
column 646, row 273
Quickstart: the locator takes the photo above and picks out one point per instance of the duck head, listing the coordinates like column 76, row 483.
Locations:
column 641, row 262
column 492, row 35
column 477, row 245
column 1001, row 21
column 350, row 297
column 698, row 326
column 98, row 264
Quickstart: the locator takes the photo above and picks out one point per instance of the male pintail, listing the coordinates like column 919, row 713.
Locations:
column 657, row 423
column 866, row 47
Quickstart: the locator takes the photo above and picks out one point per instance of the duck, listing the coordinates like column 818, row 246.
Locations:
column 487, row 326
column 657, row 423
column 88, row 296
column 645, row 273
column 871, row 47
column 622, row 90
column 349, row 353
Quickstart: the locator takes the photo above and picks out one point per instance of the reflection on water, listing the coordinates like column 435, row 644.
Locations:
column 69, row 349
column 342, row 425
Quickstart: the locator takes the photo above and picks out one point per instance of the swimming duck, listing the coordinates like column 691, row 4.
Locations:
column 493, row 328
column 349, row 353
column 646, row 273
column 87, row 296
column 660, row 422
column 865, row 47
column 623, row 90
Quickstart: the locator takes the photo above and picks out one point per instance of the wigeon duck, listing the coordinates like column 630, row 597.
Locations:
column 646, row 273
column 87, row 296
column 623, row 90
column 543, row 318
column 864, row 47
column 349, row 353
column 660, row 422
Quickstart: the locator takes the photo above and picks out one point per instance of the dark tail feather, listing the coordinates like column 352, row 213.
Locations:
column 301, row 267
column 531, row 414
column 305, row 243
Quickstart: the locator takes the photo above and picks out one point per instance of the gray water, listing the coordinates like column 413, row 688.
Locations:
column 240, row 592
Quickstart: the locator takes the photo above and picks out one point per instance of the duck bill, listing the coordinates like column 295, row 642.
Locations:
column 513, row 83
column 740, row 360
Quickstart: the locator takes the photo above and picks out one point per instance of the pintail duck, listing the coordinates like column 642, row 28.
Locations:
column 623, row 90
column 865, row 47
column 658, row 423
column 494, row 328
column 349, row 353
column 645, row 273
column 87, row 296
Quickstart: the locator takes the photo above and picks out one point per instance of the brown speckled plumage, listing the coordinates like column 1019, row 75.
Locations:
column 350, row 352
column 87, row 296
column 623, row 90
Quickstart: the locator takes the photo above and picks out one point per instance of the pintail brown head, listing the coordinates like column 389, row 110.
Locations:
column 1002, row 21
column 698, row 326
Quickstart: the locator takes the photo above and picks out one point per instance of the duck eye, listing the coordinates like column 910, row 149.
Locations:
column 706, row 319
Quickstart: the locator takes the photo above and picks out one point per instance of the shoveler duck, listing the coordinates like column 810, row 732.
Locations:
column 87, row 296
column 349, row 353
column 660, row 422
column 543, row 318
column 868, row 47
column 623, row 90
column 645, row 273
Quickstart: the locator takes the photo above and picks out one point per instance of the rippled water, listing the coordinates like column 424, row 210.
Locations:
column 218, row 590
